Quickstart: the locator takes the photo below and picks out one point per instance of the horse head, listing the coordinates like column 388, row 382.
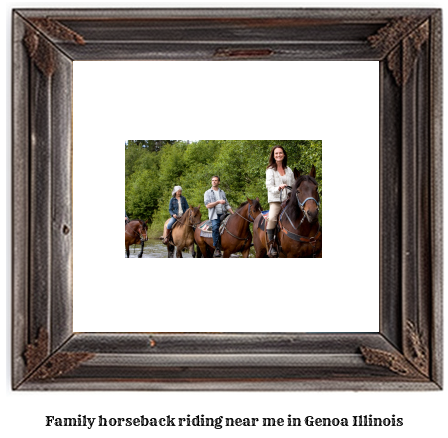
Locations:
column 195, row 215
column 305, row 190
column 143, row 228
column 255, row 208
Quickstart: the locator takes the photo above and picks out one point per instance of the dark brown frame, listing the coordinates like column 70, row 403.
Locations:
column 406, row 354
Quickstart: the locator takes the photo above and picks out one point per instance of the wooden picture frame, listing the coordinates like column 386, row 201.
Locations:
column 406, row 353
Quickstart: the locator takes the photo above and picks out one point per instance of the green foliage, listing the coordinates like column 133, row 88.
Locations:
column 172, row 164
column 154, row 167
column 141, row 195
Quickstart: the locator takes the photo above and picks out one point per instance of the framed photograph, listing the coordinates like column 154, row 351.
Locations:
column 50, row 352
column 171, row 182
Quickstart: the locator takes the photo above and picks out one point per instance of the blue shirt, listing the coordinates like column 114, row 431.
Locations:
column 174, row 205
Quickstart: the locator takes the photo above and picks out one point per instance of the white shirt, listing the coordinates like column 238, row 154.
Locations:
column 218, row 198
column 274, row 180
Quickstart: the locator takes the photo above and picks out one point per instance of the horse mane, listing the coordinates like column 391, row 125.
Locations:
column 254, row 205
column 303, row 178
column 138, row 220
column 183, row 218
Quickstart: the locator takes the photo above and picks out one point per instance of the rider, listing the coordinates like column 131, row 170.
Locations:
column 126, row 217
column 216, row 202
column 178, row 206
column 278, row 177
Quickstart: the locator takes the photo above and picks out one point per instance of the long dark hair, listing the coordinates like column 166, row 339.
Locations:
column 272, row 163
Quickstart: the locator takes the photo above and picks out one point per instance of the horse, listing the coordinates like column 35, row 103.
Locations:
column 299, row 234
column 182, row 235
column 135, row 232
column 236, row 236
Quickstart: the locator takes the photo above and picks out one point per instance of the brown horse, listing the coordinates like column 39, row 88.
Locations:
column 236, row 236
column 183, row 232
column 135, row 232
column 298, row 232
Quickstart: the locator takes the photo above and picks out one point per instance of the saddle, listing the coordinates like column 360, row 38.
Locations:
column 265, row 214
column 165, row 231
column 206, row 227
column 263, row 220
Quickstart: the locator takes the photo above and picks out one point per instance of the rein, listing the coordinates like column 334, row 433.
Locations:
column 290, row 221
column 250, row 216
column 301, row 206
column 247, row 220
column 189, row 219
column 138, row 232
column 281, row 192
column 236, row 237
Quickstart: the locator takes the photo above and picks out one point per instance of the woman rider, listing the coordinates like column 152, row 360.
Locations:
column 278, row 177
column 178, row 206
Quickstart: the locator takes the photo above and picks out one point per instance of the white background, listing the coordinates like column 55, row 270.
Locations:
column 231, row 100
column 23, row 413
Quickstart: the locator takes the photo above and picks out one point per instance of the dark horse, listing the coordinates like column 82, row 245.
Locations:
column 135, row 232
column 298, row 232
column 237, row 236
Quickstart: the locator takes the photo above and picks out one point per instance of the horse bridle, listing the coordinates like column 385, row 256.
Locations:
column 302, row 204
column 250, row 216
column 311, row 240
column 192, row 225
column 247, row 220
column 189, row 219
column 138, row 232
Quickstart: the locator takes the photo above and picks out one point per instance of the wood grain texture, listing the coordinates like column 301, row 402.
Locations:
column 20, row 207
column 436, row 194
column 406, row 354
